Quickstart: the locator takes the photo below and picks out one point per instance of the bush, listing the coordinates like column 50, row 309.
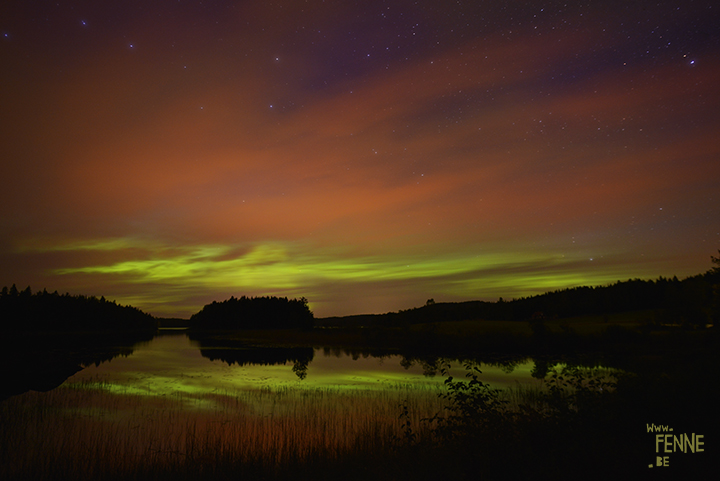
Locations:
column 479, row 431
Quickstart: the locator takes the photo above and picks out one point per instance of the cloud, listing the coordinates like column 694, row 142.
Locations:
column 237, row 159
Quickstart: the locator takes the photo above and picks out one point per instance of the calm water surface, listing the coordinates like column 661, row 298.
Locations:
column 173, row 401
column 172, row 364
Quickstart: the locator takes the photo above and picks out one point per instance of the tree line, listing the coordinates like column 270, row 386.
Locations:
column 25, row 311
column 254, row 313
column 693, row 302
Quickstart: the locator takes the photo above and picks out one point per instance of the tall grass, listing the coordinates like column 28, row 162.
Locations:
column 92, row 430
column 83, row 431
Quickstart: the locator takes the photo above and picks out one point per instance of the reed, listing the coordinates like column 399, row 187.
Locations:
column 93, row 429
column 88, row 431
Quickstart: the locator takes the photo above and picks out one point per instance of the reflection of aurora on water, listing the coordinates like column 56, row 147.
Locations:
column 173, row 365
column 173, row 395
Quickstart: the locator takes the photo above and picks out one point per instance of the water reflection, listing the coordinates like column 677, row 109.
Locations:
column 233, row 352
column 42, row 362
column 171, row 363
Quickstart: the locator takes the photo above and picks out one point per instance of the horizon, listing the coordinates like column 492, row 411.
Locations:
column 367, row 158
column 500, row 299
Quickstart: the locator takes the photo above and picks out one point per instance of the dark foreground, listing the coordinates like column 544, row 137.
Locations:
column 582, row 427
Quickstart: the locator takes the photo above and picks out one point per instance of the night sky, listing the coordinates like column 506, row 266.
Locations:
column 367, row 155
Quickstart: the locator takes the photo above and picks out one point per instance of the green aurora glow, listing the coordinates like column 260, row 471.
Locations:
column 366, row 162
column 294, row 269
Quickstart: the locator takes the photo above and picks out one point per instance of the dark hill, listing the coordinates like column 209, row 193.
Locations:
column 694, row 301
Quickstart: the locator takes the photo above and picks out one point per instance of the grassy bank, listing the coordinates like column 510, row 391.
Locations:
column 87, row 431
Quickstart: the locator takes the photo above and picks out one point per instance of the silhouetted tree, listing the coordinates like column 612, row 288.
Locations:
column 28, row 312
column 254, row 313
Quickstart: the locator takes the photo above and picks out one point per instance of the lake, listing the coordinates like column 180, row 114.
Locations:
column 173, row 402
column 172, row 364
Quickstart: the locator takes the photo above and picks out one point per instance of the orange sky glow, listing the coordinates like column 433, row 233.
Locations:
column 365, row 157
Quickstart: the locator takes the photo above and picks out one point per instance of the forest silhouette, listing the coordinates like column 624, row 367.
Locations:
column 23, row 311
column 254, row 313
column 692, row 302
